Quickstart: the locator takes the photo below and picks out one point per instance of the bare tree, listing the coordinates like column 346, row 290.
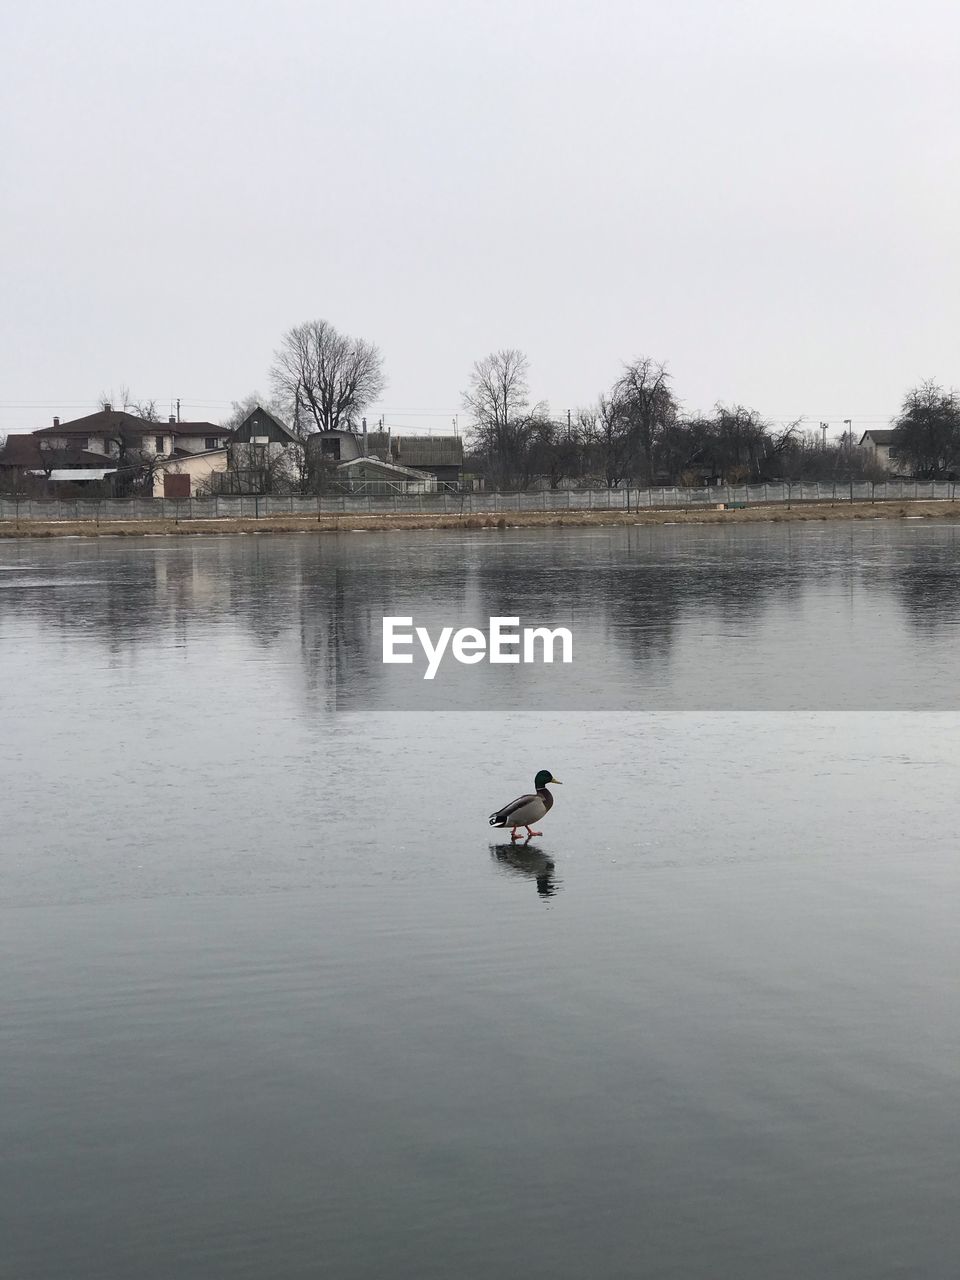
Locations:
column 643, row 395
column 607, row 438
column 240, row 410
column 555, row 452
column 259, row 469
column 927, row 432
column 738, row 443
column 136, row 467
column 684, row 452
column 147, row 410
column 110, row 400
column 326, row 376
column 505, row 423
column 53, row 454
column 124, row 402
column 798, row 455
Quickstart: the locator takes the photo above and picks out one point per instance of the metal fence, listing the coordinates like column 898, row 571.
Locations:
column 466, row 504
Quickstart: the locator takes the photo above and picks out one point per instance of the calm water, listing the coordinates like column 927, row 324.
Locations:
column 276, row 1001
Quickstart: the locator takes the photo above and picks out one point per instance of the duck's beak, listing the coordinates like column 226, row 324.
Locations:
column 556, row 782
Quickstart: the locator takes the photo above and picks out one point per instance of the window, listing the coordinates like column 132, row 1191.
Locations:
column 159, row 444
column 210, row 442
column 330, row 448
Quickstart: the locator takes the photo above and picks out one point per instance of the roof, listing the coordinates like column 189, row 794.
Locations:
column 878, row 437
column 378, row 442
column 195, row 453
column 282, row 427
column 184, row 455
column 192, row 429
column 110, row 421
column 26, row 451
column 377, row 464
column 20, row 451
column 428, row 451
column 79, row 473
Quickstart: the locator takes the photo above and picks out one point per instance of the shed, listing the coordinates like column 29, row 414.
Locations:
column 369, row 471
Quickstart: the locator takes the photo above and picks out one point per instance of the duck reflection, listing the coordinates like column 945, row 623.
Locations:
column 529, row 861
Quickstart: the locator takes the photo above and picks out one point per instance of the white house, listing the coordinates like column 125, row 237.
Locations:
column 879, row 446
column 112, row 432
column 188, row 475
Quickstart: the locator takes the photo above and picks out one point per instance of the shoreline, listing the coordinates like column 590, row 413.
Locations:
column 773, row 513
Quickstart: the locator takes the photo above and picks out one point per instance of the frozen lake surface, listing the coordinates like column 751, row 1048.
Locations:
column 276, row 1001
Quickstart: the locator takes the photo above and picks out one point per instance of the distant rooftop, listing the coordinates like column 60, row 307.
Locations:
column 428, row 451
column 117, row 422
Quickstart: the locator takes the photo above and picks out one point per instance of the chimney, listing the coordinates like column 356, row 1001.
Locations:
column 171, row 418
column 56, row 422
column 107, row 407
column 365, row 438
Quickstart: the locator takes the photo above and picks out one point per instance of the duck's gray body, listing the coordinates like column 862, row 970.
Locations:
column 524, row 811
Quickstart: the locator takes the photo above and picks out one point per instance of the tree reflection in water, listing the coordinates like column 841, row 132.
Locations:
column 663, row 617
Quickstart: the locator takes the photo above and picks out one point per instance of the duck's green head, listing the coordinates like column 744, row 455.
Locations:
column 543, row 777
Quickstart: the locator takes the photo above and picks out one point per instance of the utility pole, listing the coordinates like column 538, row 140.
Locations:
column 848, row 423
column 823, row 438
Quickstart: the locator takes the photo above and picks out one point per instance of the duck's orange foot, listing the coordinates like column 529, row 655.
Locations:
column 531, row 832
column 513, row 834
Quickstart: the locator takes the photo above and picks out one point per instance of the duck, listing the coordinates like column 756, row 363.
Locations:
column 528, row 809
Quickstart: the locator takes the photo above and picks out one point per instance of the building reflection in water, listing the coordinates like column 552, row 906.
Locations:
column 662, row 617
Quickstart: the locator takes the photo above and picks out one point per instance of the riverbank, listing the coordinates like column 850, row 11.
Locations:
column 771, row 513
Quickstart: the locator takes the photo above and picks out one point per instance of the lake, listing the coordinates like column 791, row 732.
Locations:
column 277, row 1001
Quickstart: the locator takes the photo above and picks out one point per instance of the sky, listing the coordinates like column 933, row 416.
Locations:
column 764, row 195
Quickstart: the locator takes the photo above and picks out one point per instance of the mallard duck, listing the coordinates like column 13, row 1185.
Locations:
column 526, row 810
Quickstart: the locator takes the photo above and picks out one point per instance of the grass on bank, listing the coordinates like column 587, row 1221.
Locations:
column 774, row 514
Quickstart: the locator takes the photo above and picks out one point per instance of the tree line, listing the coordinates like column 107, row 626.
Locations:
column 636, row 433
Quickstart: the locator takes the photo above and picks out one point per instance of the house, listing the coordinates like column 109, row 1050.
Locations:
column 26, row 463
column 260, row 427
column 261, row 455
column 197, row 437
column 24, row 452
column 112, row 445
column 115, row 433
column 879, row 446
column 336, row 447
column 190, row 475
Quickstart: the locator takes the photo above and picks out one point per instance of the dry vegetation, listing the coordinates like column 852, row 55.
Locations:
column 517, row 520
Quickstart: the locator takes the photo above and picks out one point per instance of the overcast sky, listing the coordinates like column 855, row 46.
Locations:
column 764, row 194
